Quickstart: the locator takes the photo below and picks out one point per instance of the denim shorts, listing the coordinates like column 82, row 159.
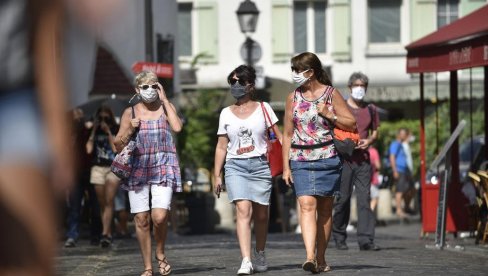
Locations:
column 248, row 179
column 22, row 136
column 316, row 178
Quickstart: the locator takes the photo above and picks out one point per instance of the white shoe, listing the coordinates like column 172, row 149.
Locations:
column 246, row 267
column 260, row 264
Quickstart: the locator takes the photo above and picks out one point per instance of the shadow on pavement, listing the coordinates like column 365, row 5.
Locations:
column 356, row 267
column 196, row 270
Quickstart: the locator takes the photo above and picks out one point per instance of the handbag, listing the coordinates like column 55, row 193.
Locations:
column 122, row 163
column 274, row 154
column 345, row 141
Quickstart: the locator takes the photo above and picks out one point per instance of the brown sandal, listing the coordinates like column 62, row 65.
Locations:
column 147, row 272
column 323, row 268
column 163, row 270
column 310, row 265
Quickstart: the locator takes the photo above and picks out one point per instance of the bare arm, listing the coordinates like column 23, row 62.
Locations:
column 286, row 140
column 345, row 119
column 393, row 165
column 127, row 128
column 220, row 153
column 49, row 78
column 170, row 110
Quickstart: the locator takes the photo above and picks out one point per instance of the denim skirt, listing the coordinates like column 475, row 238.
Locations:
column 316, row 178
column 248, row 179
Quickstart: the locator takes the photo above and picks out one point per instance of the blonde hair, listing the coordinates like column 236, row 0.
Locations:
column 145, row 77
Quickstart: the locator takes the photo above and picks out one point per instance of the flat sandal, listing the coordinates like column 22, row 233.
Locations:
column 164, row 261
column 145, row 272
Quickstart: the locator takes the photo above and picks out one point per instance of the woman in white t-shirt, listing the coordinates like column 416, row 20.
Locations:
column 242, row 146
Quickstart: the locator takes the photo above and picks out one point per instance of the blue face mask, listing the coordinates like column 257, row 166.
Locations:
column 237, row 90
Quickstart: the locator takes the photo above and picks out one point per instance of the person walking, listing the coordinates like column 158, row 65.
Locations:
column 357, row 171
column 311, row 164
column 242, row 145
column 156, row 172
column 81, row 133
column 401, row 165
column 101, row 146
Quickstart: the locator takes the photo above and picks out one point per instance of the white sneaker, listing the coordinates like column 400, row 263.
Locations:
column 259, row 262
column 246, row 267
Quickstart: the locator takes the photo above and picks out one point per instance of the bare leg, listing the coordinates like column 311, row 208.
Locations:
column 398, row 200
column 144, row 237
column 244, row 214
column 160, row 226
column 111, row 187
column 324, row 226
column 26, row 196
column 308, row 223
column 260, row 215
column 374, row 202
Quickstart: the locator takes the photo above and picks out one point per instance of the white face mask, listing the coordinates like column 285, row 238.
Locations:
column 149, row 95
column 298, row 78
column 358, row 93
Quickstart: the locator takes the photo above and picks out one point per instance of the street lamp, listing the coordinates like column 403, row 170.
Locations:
column 247, row 14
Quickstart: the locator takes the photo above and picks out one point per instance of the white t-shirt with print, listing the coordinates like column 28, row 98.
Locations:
column 246, row 136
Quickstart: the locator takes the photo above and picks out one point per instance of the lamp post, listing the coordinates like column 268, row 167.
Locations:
column 247, row 14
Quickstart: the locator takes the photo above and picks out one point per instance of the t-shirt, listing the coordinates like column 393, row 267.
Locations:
column 103, row 154
column 397, row 150
column 365, row 123
column 247, row 137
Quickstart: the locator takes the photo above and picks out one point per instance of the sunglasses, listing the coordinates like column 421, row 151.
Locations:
column 146, row 86
column 104, row 118
column 241, row 82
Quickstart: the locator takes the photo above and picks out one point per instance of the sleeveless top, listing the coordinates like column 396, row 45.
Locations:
column 154, row 161
column 309, row 128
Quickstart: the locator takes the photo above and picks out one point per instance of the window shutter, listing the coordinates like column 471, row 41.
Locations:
column 207, row 32
column 281, row 28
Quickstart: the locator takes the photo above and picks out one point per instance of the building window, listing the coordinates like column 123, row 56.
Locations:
column 309, row 24
column 447, row 12
column 184, row 29
column 384, row 21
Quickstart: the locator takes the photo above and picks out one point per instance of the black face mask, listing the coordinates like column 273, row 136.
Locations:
column 238, row 91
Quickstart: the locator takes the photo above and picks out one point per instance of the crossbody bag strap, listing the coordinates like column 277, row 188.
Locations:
column 267, row 119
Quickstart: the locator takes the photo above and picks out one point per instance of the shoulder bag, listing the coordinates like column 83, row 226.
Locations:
column 122, row 164
column 274, row 154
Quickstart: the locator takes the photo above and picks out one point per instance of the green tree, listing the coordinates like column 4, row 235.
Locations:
column 196, row 142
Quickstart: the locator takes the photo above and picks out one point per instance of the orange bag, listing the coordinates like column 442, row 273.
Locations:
column 345, row 134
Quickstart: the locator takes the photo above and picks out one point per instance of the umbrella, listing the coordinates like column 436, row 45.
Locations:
column 118, row 105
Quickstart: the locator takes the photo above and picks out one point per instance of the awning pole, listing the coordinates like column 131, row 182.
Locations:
column 436, row 115
column 485, row 105
column 422, row 147
column 471, row 114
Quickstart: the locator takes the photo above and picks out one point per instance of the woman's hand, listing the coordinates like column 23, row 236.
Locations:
column 326, row 111
column 217, row 185
column 287, row 177
column 135, row 122
column 104, row 127
column 162, row 93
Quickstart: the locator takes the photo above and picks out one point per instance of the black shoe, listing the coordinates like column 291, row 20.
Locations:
column 105, row 241
column 341, row 246
column 369, row 247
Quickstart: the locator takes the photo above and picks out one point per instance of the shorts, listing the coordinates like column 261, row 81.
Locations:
column 100, row 174
column 120, row 200
column 22, row 135
column 374, row 191
column 248, row 179
column 316, row 178
column 160, row 198
column 404, row 182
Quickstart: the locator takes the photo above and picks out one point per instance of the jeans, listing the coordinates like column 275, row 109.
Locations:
column 75, row 200
column 359, row 175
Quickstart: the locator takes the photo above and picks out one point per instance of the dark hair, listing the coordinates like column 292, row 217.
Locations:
column 307, row 60
column 108, row 110
column 243, row 72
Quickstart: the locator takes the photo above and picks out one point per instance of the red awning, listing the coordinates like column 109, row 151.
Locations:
column 462, row 44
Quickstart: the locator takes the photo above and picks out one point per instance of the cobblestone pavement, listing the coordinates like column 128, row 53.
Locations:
column 403, row 253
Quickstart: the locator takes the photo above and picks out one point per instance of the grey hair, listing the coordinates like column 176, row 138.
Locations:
column 358, row 76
